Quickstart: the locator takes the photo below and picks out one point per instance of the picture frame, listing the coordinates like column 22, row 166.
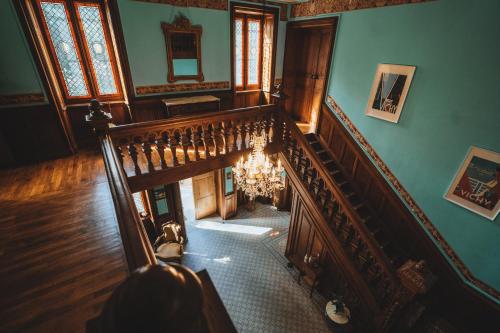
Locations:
column 476, row 184
column 389, row 90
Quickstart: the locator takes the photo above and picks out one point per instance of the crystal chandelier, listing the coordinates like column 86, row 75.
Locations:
column 257, row 176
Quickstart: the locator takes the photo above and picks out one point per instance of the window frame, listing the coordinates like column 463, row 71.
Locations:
column 239, row 10
column 246, row 18
column 86, row 64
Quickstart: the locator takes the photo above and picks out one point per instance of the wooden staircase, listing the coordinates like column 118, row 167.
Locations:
column 374, row 225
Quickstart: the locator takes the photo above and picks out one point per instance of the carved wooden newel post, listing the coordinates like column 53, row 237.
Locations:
column 416, row 279
column 97, row 118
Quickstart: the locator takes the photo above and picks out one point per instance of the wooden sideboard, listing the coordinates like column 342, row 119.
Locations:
column 190, row 105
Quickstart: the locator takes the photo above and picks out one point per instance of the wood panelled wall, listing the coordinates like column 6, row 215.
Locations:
column 450, row 293
column 31, row 134
column 305, row 238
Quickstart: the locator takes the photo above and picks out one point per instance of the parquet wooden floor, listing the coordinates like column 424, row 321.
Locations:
column 60, row 249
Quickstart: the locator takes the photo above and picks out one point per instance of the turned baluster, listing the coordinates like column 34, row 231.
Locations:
column 160, row 148
column 172, row 144
column 195, row 140
column 234, row 127
column 146, row 148
column 348, row 235
column 269, row 128
column 243, row 133
column 326, row 197
column 132, row 151
column 285, row 136
column 225, row 135
column 205, row 137
column 249, row 129
column 185, row 145
column 214, row 134
column 290, row 152
column 310, row 178
column 318, row 188
column 119, row 152
column 300, row 160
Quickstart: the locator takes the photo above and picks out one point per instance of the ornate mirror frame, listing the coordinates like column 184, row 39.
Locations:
column 182, row 25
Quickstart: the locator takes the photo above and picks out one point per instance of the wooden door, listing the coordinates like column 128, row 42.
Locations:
column 305, row 72
column 307, row 58
column 320, row 75
column 205, row 200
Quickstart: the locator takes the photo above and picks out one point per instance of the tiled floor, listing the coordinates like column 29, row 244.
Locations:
column 245, row 258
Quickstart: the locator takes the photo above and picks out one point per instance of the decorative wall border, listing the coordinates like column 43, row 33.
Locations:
column 283, row 7
column 21, row 99
column 181, row 87
column 209, row 4
column 218, row 4
column 317, row 7
column 410, row 202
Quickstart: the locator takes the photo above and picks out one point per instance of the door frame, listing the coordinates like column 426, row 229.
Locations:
column 321, row 23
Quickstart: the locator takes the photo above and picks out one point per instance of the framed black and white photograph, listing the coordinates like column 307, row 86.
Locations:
column 389, row 90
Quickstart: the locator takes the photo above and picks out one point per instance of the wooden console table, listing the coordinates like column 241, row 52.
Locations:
column 191, row 105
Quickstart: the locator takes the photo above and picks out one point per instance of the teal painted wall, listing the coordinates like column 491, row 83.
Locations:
column 145, row 41
column 453, row 103
column 18, row 74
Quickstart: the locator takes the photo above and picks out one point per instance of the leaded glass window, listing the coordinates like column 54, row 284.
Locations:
column 238, row 52
column 90, row 18
column 79, row 42
column 63, row 44
column 247, row 38
column 253, row 52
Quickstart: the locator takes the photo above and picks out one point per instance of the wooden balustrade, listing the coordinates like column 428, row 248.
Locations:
column 159, row 148
column 140, row 156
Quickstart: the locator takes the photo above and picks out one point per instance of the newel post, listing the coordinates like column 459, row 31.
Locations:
column 97, row 118
column 415, row 278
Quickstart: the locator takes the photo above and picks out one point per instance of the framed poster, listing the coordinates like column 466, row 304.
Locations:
column 476, row 184
column 389, row 89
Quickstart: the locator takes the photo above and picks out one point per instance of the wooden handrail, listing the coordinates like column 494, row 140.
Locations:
column 138, row 250
column 122, row 131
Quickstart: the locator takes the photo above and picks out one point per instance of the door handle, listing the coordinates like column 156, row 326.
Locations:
column 314, row 76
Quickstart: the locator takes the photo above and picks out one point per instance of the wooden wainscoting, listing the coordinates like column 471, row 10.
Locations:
column 32, row 133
